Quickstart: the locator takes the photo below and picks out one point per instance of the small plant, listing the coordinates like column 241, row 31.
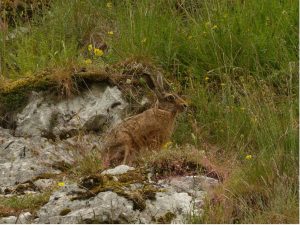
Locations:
column 91, row 163
column 28, row 202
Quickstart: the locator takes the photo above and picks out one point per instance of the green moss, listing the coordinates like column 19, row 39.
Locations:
column 62, row 166
column 65, row 212
column 133, row 176
column 139, row 196
column 167, row 218
column 13, row 100
column 100, row 183
column 28, row 186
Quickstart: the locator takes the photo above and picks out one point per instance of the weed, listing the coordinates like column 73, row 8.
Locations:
column 28, row 202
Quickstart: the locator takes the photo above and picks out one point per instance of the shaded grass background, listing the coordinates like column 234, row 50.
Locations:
column 237, row 61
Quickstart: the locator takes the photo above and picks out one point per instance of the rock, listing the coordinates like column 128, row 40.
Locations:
column 8, row 220
column 43, row 184
column 47, row 143
column 190, row 184
column 179, row 204
column 103, row 208
column 121, row 169
column 170, row 204
column 90, row 111
column 22, row 159
column 24, row 218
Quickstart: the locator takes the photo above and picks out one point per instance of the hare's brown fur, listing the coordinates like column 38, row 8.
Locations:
column 147, row 130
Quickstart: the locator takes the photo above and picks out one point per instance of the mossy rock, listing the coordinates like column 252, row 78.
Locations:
column 167, row 218
column 65, row 211
column 100, row 183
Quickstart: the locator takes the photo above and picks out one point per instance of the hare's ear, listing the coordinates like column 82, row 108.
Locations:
column 160, row 82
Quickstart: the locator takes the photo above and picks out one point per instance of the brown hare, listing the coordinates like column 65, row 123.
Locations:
column 147, row 130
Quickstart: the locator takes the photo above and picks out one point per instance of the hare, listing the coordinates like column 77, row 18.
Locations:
column 147, row 130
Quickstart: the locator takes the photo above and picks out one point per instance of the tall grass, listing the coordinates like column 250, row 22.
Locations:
column 235, row 60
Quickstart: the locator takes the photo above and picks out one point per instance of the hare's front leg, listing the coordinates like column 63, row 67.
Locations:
column 126, row 154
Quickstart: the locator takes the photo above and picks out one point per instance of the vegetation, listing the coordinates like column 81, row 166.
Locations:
column 15, row 204
column 236, row 61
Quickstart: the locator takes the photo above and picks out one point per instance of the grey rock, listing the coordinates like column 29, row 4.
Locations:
column 121, row 169
column 179, row 204
column 31, row 152
column 22, row 159
column 103, row 208
column 44, row 184
column 190, row 184
column 110, row 207
column 25, row 218
column 90, row 111
column 8, row 220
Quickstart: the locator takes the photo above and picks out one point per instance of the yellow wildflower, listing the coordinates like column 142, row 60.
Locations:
column 88, row 61
column 144, row 40
column 90, row 47
column 206, row 78
column 110, row 33
column 193, row 136
column 214, row 27
column 128, row 81
column 109, row 5
column 222, row 84
column 98, row 52
column 208, row 24
column 254, row 120
column 61, row 184
column 167, row 145
column 248, row 157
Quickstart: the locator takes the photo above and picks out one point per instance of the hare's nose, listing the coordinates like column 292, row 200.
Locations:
column 184, row 106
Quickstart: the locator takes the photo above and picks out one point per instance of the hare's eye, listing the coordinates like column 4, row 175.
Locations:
column 170, row 97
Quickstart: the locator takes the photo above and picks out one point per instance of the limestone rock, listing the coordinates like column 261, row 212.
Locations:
column 22, row 159
column 174, row 200
column 91, row 110
column 43, row 184
column 121, row 169
column 103, row 208
column 8, row 220
column 24, row 218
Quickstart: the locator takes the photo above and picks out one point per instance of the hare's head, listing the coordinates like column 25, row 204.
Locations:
column 169, row 101
column 172, row 102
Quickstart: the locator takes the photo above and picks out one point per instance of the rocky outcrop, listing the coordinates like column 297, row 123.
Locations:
column 22, row 159
column 52, row 135
column 172, row 201
column 31, row 151
column 94, row 108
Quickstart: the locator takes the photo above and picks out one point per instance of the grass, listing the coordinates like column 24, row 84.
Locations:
column 236, row 61
column 15, row 204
